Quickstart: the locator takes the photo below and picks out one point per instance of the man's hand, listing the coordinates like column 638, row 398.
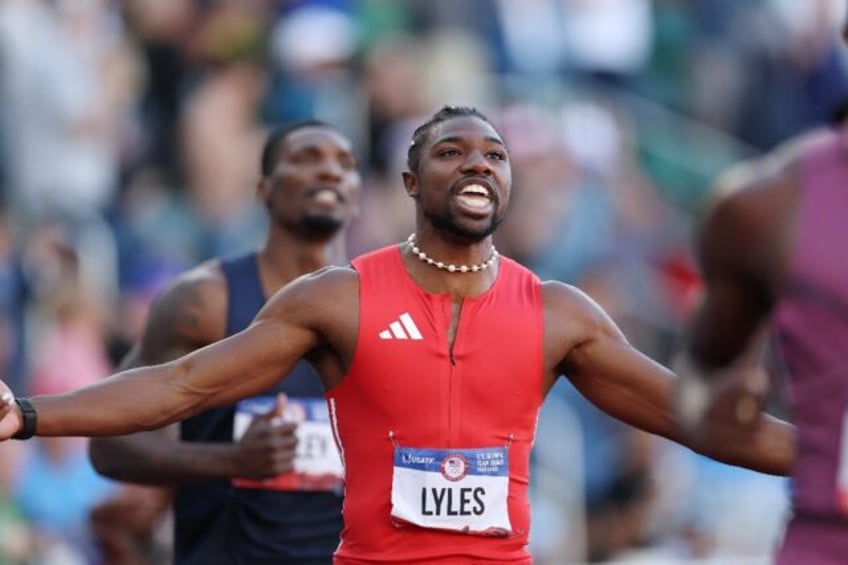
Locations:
column 728, row 401
column 268, row 446
column 10, row 415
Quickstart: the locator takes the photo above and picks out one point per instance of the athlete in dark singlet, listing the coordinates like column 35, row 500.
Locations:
column 230, row 505
column 435, row 355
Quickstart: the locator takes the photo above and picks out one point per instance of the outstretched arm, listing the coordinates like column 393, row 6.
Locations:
column 188, row 315
column 151, row 397
column 631, row 387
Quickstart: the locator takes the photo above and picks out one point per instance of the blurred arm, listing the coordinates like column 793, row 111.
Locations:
column 633, row 388
column 743, row 247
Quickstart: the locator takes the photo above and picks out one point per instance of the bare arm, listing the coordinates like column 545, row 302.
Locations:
column 146, row 457
column 159, row 457
column 151, row 397
column 185, row 317
column 743, row 247
column 631, row 387
column 189, row 315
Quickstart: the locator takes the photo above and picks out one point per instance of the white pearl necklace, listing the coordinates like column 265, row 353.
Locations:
column 450, row 267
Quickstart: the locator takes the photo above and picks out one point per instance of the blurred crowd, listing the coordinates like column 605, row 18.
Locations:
column 130, row 134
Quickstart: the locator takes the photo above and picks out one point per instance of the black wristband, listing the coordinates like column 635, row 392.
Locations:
column 29, row 417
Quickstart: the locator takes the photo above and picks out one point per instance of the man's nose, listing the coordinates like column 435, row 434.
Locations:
column 331, row 168
column 477, row 163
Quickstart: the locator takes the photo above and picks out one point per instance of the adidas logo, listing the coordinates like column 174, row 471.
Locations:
column 402, row 328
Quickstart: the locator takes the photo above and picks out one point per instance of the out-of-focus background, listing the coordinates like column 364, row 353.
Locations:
column 129, row 141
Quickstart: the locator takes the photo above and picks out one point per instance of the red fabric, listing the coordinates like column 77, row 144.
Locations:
column 487, row 395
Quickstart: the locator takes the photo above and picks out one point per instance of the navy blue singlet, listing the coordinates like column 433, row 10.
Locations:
column 217, row 523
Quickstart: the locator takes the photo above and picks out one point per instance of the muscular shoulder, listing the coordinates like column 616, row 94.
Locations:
column 320, row 286
column 191, row 311
column 742, row 188
column 573, row 318
column 743, row 228
column 761, row 186
column 326, row 300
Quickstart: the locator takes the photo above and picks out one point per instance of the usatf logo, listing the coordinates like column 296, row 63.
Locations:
column 402, row 328
column 454, row 467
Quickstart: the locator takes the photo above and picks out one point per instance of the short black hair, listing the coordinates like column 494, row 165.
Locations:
column 278, row 135
column 422, row 133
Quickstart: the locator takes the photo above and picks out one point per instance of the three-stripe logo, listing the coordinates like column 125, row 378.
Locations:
column 402, row 328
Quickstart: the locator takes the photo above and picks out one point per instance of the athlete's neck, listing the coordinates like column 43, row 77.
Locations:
column 284, row 258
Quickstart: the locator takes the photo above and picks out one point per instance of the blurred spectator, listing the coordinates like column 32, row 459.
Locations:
column 66, row 95
column 394, row 87
column 128, row 527
column 161, row 29
column 56, row 485
column 794, row 67
column 71, row 350
column 13, row 291
column 56, row 490
column 396, row 97
column 608, row 40
column 531, row 36
column 220, row 126
column 604, row 41
column 312, row 47
column 17, row 541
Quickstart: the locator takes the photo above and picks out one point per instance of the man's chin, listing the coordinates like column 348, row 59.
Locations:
column 468, row 233
column 322, row 225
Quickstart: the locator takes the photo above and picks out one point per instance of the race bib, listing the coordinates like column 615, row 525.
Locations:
column 317, row 465
column 463, row 490
column 842, row 469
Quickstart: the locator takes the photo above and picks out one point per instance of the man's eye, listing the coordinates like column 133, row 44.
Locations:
column 305, row 157
column 497, row 155
column 448, row 153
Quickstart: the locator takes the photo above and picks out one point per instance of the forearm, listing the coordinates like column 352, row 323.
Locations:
column 770, row 449
column 149, row 398
column 132, row 401
column 154, row 459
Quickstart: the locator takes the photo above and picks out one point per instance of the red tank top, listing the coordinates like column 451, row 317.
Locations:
column 406, row 387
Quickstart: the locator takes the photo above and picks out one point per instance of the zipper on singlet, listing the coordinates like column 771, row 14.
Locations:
column 451, row 346
column 452, row 343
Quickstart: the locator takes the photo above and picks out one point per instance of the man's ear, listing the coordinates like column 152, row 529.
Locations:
column 410, row 183
column 263, row 189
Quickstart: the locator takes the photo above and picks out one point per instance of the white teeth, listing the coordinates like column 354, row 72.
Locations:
column 475, row 189
column 327, row 196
